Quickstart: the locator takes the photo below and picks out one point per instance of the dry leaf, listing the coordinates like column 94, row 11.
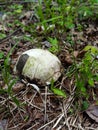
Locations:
column 18, row 87
column 92, row 112
column 75, row 53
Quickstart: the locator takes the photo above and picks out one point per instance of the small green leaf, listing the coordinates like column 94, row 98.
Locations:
column 91, row 82
column 10, row 85
column 83, row 89
column 2, row 91
column 16, row 101
column 92, row 48
column 1, row 55
column 85, row 105
column 54, row 45
column 2, row 35
column 18, row 11
column 87, row 48
column 59, row 92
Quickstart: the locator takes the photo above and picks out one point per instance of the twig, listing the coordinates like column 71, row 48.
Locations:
column 58, row 121
column 45, row 105
column 49, row 122
column 34, row 105
column 9, row 36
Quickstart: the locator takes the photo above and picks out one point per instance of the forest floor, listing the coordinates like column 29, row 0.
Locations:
column 23, row 108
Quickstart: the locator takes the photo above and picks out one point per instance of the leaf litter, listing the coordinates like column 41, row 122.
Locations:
column 47, row 110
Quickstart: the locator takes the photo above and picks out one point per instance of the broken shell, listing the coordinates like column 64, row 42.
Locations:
column 39, row 64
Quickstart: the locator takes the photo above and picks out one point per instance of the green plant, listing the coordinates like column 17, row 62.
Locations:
column 64, row 14
column 17, row 8
column 69, row 39
column 7, row 77
column 2, row 35
column 60, row 13
column 1, row 55
column 85, row 105
column 88, row 10
column 85, row 71
column 57, row 91
column 54, row 45
column 89, row 65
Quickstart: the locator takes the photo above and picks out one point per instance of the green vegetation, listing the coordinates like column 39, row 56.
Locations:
column 54, row 45
column 87, row 70
column 65, row 13
column 67, row 28
column 55, row 19
column 7, row 76
column 57, row 91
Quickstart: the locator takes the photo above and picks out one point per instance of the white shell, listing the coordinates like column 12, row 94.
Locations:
column 42, row 65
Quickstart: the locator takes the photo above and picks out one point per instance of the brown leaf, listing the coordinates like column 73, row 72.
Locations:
column 68, row 59
column 67, row 85
column 92, row 112
column 18, row 87
column 81, row 54
column 75, row 53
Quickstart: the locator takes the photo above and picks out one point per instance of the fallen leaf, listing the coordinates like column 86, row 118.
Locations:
column 67, row 85
column 18, row 87
column 75, row 53
column 92, row 112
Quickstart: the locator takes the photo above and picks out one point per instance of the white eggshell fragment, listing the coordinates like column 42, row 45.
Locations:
column 39, row 64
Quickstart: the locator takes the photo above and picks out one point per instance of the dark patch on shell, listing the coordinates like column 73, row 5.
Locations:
column 21, row 63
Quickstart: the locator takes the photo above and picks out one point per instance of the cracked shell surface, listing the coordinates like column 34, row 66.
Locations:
column 40, row 64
